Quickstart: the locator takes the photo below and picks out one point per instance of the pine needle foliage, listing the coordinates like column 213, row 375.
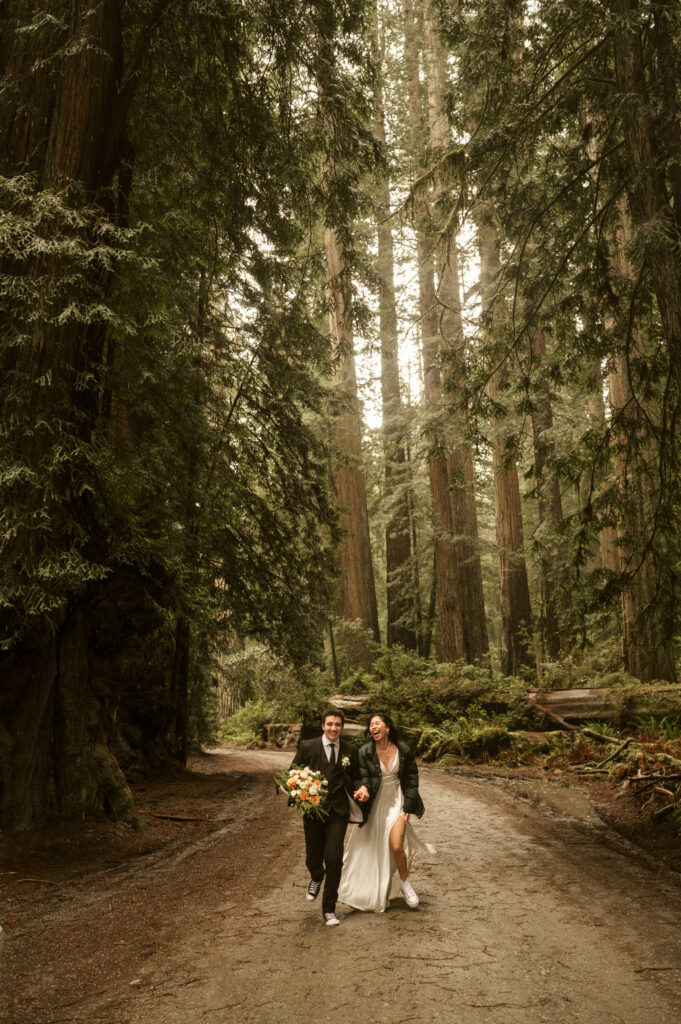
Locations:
column 554, row 106
column 161, row 365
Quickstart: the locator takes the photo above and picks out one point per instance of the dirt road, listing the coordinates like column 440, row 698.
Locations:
column 530, row 914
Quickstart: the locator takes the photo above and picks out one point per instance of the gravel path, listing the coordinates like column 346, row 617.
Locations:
column 528, row 915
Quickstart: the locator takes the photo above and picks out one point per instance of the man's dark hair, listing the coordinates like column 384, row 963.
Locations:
column 336, row 712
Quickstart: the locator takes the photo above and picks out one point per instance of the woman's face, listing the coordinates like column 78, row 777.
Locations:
column 379, row 730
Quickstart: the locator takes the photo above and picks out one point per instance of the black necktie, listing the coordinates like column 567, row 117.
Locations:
column 332, row 755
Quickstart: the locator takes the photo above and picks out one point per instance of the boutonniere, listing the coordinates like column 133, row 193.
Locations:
column 345, row 761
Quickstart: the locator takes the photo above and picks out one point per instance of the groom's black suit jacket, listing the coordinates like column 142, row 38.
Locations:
column 311, row 754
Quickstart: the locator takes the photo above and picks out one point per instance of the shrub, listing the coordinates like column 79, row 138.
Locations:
column 255, row 675
column 246, row 725
column 417, row 692
column 653, row 731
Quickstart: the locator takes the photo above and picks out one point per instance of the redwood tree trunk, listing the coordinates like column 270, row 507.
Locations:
column 55, row 123
column 647, row 646
column 655, row 197
column 401, row 611
column 607, row 553
column 463, row 514
column 654, row 149
column 358, row 592
column 445, row 596
column 550, row 509
column 516, row 610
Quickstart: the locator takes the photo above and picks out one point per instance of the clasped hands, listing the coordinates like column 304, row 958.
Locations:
column 361, row 794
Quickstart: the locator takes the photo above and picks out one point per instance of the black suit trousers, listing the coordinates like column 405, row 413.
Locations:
column 324, row 854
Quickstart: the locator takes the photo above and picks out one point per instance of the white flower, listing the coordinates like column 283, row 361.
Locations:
column 345, row 761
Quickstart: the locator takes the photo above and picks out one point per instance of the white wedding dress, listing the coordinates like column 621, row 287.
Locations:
column 370, row 878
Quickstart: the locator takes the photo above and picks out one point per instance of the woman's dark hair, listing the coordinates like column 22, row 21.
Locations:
column 393, row 734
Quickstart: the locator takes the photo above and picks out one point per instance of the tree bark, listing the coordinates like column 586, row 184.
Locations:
column 647, row 647
column 55, row 119
column 358, row 592
column 179, row 690
column 654, row 205
column 445, row 565
column 549, row 503
column 55, row 760
column 401, row 612
column 516, row 610
column 458, row 576
column 620, row 704
column 460, row 460
column 607, row 551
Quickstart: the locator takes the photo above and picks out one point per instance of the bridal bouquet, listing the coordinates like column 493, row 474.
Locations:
column 306, row 790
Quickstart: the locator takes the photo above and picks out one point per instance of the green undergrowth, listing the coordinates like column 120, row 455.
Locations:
column 451, row 713
column 244, row 728
column 448, row 712
column 457, row 714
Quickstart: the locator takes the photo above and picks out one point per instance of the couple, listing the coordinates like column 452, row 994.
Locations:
column 383, row 778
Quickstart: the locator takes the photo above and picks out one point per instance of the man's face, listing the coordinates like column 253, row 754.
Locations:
column 332, row 726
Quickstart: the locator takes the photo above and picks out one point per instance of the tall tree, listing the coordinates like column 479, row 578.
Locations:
column 516, row 609
column 445, row 565
column 471, row 601
column 607, row 537
column 458, row 579
column 63, row 135
column 550, row 508
column 543, row 83
column 401, row 595
column 125, row 552
column 358, row 589
column 647, row 76
column 648, row 649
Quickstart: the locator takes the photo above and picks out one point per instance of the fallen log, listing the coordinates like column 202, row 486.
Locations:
column 617, row 704
column 553, row 717
column 351, row 703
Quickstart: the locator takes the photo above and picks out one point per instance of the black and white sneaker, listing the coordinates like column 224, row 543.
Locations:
column 330, row 920
column 313, row 890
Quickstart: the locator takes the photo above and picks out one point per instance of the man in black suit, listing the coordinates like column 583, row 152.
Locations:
column 339, row 762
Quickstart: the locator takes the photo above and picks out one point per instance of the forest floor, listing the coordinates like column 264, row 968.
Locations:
column 535, row 909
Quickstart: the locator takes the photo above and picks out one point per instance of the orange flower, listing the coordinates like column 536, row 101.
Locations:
column 304, row 795
column 291, row 783
column 314, row 799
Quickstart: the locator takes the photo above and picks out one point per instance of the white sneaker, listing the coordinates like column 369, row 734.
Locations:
column 330, row 920
column 410, row 897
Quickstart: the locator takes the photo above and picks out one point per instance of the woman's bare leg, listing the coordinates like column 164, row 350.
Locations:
column 397, row 847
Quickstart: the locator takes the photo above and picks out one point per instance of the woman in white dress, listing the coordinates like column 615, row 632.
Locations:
column 378, row 856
